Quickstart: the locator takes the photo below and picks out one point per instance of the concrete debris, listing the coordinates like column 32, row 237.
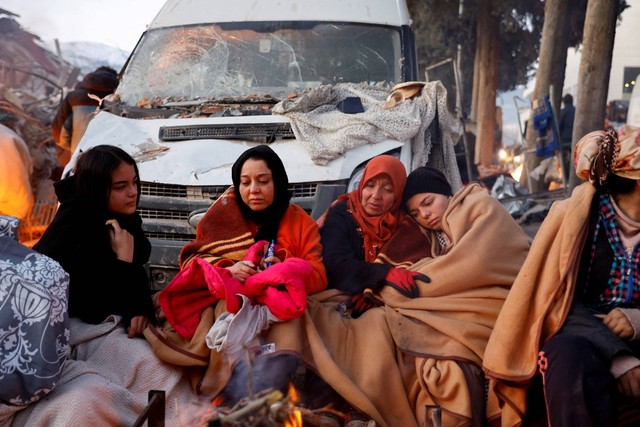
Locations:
column 33, row 81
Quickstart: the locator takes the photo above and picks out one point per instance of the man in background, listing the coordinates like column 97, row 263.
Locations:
column 73, row 115
column 565, row 130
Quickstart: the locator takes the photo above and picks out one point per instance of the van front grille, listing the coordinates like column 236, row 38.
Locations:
column 211, row 192
column 163, row 190
column 163, row 214
column 303, row 190
column 176, row 237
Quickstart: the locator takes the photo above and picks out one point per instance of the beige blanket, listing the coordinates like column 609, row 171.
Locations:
column 538, row 302
column 402, row 356
column 393, row 360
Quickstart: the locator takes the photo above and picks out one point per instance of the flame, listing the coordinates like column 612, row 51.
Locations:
column 295, row 419
column 293, row 394
column 295, row 415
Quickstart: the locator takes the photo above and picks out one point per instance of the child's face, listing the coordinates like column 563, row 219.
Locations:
column 123, row 193
column 428, row 209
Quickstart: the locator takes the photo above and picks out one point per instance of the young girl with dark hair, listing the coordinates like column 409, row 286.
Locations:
column 97, row 237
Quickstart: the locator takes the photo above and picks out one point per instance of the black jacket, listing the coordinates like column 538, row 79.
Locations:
column 565, row 122
column 100, row 283
column 343, row 254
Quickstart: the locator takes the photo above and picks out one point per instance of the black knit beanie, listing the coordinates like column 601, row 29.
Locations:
column 425, row 180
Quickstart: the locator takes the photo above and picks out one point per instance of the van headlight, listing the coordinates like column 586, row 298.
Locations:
column 355, row 180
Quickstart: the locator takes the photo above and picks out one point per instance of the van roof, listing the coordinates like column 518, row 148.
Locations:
column 189, row 12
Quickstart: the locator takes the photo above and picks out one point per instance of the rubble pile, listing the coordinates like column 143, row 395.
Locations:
column 32, row 85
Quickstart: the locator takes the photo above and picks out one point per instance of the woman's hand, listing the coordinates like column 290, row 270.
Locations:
column 268, row 262
column 618, row 323
column 241, row 270
column 121, row 241
column 137, row 325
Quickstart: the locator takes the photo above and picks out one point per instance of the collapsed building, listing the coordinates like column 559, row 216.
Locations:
column 33, row 81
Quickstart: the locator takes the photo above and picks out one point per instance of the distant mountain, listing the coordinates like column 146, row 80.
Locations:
column 90, row 55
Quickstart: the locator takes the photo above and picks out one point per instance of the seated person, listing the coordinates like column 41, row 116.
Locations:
column 232, row 296
column 573, row 309
column 33, row 320
column 429, row 344
column 358, row 225
column 453, row 316
column 96, row 235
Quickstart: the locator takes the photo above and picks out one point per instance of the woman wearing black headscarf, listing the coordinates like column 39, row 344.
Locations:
column 263, row 212
column 232, row 296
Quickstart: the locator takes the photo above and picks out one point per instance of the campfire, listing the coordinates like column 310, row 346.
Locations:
column 269, row 408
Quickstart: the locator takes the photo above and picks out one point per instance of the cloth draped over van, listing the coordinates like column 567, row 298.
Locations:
column 327, row 133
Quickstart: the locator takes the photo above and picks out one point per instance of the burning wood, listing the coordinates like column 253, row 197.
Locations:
column 269, row 408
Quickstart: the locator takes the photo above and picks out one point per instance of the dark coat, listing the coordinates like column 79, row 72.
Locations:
column 565, row 122
column 100, row 283
column 343, row 254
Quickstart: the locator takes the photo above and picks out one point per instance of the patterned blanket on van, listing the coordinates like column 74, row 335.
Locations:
column 327, row 133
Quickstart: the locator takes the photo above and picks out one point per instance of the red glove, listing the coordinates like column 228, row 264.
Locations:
column 363, row 302
column 359, row 305
column 404, row 281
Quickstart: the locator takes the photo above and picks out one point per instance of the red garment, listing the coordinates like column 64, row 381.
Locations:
column 195, row 288
column 223, row 238
column 376, row 230
column 279, row 287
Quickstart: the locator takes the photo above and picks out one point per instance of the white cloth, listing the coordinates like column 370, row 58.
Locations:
column 231, row 333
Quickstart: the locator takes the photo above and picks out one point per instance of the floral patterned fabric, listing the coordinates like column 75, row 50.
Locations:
column 9, row 226
column 34, row 324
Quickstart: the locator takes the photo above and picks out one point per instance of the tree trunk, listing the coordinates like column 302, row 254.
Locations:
column 595, row 66
column 553, row 33
column 560, row 56
column 488, row 40
column 473, row 114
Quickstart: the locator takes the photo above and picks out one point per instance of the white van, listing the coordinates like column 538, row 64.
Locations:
column 197, row 91
column 633, row 113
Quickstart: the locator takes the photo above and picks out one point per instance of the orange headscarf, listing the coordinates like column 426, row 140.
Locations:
column 376, row 230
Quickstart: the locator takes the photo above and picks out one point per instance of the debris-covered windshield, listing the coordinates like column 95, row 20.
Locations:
column 258, row 58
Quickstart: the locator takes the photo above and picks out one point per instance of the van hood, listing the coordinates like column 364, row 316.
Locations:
column 205, row 162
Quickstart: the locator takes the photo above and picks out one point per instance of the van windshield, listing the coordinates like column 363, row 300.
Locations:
column 258, row 58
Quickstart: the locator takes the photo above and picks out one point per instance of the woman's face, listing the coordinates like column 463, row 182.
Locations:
column 428, row 209
column 377, row 195
column 123, row 194
column 256, row 185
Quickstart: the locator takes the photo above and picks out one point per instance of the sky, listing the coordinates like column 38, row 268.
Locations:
column 117, row 23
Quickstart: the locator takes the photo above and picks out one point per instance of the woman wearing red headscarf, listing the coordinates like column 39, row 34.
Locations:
column 358, row 225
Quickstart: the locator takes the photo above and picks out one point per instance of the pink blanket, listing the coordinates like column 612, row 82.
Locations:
column 280, row 287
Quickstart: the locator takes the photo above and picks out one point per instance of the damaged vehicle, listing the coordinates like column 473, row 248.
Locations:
column 201, row 86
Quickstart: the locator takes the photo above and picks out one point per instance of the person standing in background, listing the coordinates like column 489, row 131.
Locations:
column 565, row 130
column 73, row 115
